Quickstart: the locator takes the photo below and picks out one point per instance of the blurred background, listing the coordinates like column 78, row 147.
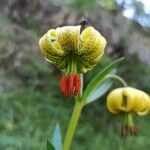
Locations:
column 30, row 99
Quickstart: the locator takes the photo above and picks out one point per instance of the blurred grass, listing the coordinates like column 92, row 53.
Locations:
column 28, row 117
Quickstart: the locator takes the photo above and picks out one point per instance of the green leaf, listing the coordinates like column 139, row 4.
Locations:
column 99, row 91
column 99, row 78
column 57, row 138
column 49, row 145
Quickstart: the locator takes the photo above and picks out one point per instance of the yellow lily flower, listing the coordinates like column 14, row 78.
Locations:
column 64, row 45
column 128, row 99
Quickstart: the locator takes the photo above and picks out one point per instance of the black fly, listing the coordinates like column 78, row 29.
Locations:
column 84, row 23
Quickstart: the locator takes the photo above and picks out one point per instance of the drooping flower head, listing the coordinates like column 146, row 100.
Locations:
column 72, row 51
column 64, row 45
column 129, row 101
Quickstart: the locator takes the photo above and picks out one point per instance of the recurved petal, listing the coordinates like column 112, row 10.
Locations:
column 92, row 45
column 68, row 38
column 50, row 48
column 91, row 40
column 49, row 44
column 114, row 101
column 143, row 112
column 143, row 101
column 129, row 98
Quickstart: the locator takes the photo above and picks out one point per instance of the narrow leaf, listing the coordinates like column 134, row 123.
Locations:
column 99, row 91
column 49, row 145
column 98, row 79
column 57, row 138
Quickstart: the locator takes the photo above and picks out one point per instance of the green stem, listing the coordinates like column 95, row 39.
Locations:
column 130, row 120
column 118, row 78
column 72, row 125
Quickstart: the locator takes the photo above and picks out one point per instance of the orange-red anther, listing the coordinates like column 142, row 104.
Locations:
column 77, row 85
column 133, row 131
column 125, row 130
column 71, row 83
column 64, row 85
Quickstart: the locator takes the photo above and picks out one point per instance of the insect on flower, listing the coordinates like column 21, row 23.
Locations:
column 84, row 23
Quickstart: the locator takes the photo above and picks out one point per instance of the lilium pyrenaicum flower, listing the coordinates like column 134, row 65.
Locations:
column 129, row 101
column 73, row 52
